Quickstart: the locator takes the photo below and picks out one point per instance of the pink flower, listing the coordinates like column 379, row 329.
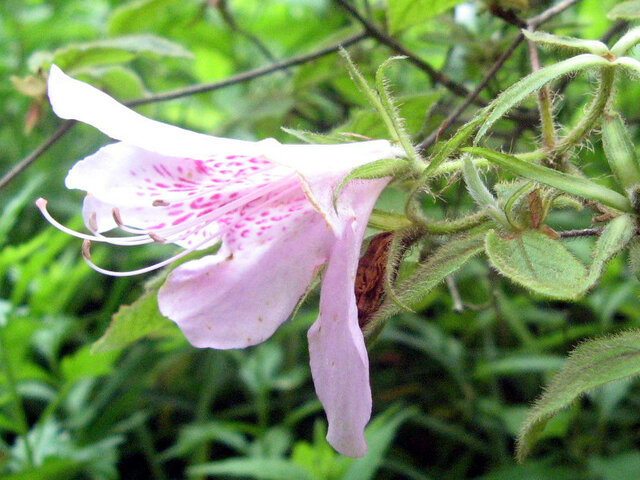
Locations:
column 269, row 204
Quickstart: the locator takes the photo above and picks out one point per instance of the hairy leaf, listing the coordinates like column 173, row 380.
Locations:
column 590, row 365
column 620, row 152
column 614, row 238
column 579, row 186
column 570, row 43
column 516, row 93
column 629, row 10
column 447, row 259
column 537, row 262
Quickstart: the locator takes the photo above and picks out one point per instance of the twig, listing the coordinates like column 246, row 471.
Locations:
column 549, row 13
column 251, row 74
column 183, row 92
column 458, row 306
column 382, row 37
column 585, row 232
column 544, row 102
column 532, row 23
column 430, row 140
column 34, row 155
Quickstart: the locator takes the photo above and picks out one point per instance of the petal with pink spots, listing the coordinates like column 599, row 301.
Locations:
column 241, row 300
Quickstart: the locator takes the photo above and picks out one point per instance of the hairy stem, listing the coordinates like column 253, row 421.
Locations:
column 594, row 113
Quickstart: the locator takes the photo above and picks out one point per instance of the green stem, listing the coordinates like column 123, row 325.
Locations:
column 596, row 109
column 388, row 221
column 544, row 103
column 546, row 118
column 440, row 227
column 18, row 408
column 417, row 165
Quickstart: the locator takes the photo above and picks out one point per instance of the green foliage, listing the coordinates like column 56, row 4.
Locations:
column 95, row 384
column 132, row 322
column 537, row 262
column 567, row 183
column 405, row 13
column 443, row 262
column 592, row 364
column 629, row 10
column 516, row 93
column 620, row 153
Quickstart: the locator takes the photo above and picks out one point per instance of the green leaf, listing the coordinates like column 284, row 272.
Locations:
column 590, row 365
column 558, row 41
column 142, row 318
column 137, row 16
column 379, row 435
column 402, row 14
column 579, row 186
column 480, row 193
column 258, row 468
column 118, row 81
column 534, row 470
column 620, row 152
column 60, row 469
column 87, row 364
column 115, row 50
column 625, row 466
column 386, row 167
column 132, row 322
column 535, row 261
column 517, row 92
column 629, row 10
column 447, row 259
column 517, row 364
column 626, row 43
column 614, row 238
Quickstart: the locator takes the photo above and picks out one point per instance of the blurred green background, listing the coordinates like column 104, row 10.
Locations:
column 451, row 388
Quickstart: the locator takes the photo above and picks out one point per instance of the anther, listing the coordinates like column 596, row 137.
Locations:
column 86, row 249
column 116, row 216
column 156, row 238
column 93, row 222
column 160, row 203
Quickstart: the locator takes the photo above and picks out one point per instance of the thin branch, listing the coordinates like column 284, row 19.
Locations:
column 183, row 92
column 532, row 23
column 585, row 232
column 34, row 155
column 549, row 13
column 251, row 74
column 430, row 140
column 382, row 37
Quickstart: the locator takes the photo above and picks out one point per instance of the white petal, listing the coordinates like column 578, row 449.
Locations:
column 73, row 99
column 240, row 300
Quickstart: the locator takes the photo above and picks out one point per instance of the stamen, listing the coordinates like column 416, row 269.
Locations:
column 157, row 238
column 150, row 268
column 115, row 213
column 93, row 222
column 160, row 203
column 86, row 249
column 41, row 203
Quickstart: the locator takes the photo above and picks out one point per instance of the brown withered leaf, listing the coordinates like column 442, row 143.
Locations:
column 535, row 208
column 369, row 286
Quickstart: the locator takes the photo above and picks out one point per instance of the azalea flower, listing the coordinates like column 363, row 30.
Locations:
column 271, row 208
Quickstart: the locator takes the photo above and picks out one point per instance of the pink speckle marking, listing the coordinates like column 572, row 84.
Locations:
column 183, row 219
